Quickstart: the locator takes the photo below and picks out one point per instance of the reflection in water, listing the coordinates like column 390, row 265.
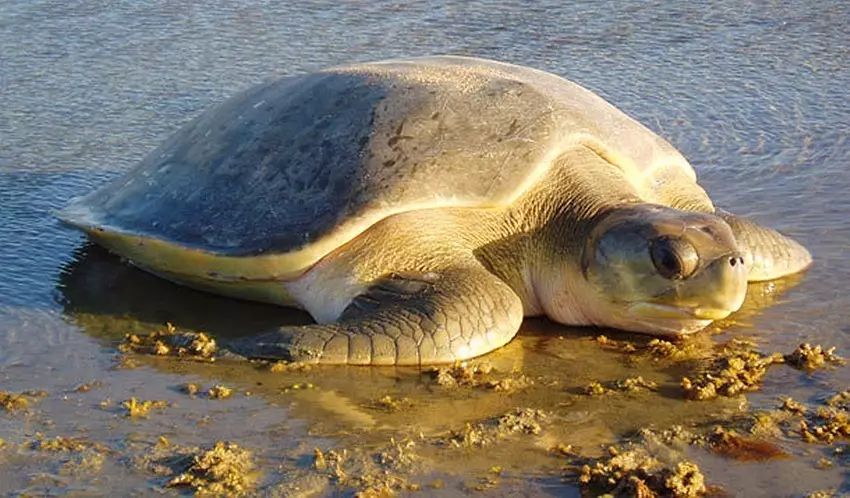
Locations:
column 102, row 294
column 760, row 295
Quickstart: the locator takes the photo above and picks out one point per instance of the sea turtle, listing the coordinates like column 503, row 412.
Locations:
column 419, row 208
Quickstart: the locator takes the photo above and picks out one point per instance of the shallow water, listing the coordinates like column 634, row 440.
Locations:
column 754, row 94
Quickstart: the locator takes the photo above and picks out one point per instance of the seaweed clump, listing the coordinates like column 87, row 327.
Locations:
column 136, row 408
column 79, row 456
column 170, row 342
column 382, row 473
column 224, row 470
column 629, row 384
column 659, row 348
column 517, row 421
column 463, row 374
column 12, row 402
column 614, row 345
column 813, row 424
column 595, row 388
column 822, row 493
column 390, row 404
column 219, row 391
column 635, row 472
column 736, row 370
column 808, row 357
column 60, row 444
column 792, row 406
column 281, row 366
column 840, row 401
column 825, row 425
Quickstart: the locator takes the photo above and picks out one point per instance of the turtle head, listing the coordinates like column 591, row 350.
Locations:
column 662, row 271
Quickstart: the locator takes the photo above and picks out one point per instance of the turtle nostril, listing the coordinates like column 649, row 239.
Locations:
column 736, row 260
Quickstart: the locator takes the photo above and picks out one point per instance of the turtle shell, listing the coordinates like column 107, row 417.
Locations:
column 268, row 182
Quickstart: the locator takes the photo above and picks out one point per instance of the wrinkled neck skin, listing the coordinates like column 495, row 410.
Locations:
column 544, row 269
column 542, row 260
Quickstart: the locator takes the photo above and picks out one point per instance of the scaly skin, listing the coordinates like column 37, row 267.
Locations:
column 405, row 319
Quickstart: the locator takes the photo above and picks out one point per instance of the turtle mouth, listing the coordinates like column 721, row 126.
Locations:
column 655, row 310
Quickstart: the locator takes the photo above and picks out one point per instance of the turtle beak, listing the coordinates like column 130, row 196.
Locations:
column 712, row 293
column 653, row 310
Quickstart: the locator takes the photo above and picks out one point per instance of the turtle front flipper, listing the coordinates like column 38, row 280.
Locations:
column 767, row 253
column 404, row 319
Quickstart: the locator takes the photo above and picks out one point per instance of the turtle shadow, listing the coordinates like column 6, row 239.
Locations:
column 108, row 297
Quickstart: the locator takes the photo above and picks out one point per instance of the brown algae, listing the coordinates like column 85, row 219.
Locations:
column 390, row 404
column 729, row 443
column 659, row 348
column 170, row 342
column 828, row 422
column 822, row 493
column 136, row 408
column 819, row 424
column 225, row 470
column 825, row 425
column 89, row 462
column 465, row 374
column 381, row 473
column 595, row 388
column 791, row 406
column 461, row 374
column 298, row 386
column 723, row 441
column 614, row 345
column 629, row 384
column 286, row 366
column 517, row 421
column 633, row 471
column 87, row 386
column 12, row 402
column 509, row 384
column 808, row 357
column 840, row 400
column 219, row 392
column 736, row 370
column 60, row 444
column 79, row 456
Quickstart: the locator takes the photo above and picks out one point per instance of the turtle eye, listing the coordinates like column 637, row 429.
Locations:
column 673, row 258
